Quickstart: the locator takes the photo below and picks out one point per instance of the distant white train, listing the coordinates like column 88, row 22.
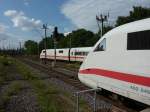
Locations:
column 120, row 62
column 73, row 54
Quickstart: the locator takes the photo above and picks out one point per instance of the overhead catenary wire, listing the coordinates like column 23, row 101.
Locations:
column 45, row 42
column 101, row 18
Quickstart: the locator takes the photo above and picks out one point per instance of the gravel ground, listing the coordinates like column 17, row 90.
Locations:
column 101, row 105
column 87, row 97
column 11, row 74
column 22, row 101
column 25, row 101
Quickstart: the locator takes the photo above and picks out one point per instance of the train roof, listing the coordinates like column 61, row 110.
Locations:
column 80, row 47
column 135, row 26
column 85, row 48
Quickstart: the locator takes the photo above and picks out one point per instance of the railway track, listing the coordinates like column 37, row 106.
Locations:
column 72, row 80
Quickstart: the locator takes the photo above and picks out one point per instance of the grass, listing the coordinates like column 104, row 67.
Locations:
column 5, row 65
column 25, row 71
column 50, row 97
column 74, row 65
column 5, row 61
column 13, row 89
column 2, row 79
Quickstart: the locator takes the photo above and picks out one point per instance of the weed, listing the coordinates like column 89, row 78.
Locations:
column 12, row 89
column 25, row 71
column 48, row 96
column 5, row 60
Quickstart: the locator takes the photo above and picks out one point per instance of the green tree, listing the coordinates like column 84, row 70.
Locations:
column 59, row 40
column 137, row 14
column 64, row 42
column 49, row 43
column 78, row 38
column 31, row 47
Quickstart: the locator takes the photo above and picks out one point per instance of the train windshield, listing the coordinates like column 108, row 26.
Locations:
column 101, row 46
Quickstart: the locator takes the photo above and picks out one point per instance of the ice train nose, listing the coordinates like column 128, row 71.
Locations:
column 87, row 80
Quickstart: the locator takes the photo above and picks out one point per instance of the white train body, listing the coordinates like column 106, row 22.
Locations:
column 75, row 54
column 120, row 62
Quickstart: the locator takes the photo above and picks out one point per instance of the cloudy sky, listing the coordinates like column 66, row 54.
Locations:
column 22, row 20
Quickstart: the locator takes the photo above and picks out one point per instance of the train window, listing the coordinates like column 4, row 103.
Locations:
column 43, row 51
column 138, row 40
column 60, row 51
column 101, row 46
column 71, row 53
column 86, row 53
column 78, row 53
column 83, row 54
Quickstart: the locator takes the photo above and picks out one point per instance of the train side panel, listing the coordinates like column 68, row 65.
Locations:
column 79, row 54
column 118, row 67
column 76, row 54
column 62, row 54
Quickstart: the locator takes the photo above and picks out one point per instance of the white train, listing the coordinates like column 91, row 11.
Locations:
column 73, row 54
column 120, row 62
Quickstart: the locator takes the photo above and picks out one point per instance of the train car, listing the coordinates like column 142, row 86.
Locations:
column 61, row 54
column 120, row 62
column 79, row 54
column 66, row 54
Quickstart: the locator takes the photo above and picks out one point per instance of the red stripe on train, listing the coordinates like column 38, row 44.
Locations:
column 141, row 80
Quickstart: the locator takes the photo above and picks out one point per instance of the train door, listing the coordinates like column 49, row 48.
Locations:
column 75, row 52
column 69, row 55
